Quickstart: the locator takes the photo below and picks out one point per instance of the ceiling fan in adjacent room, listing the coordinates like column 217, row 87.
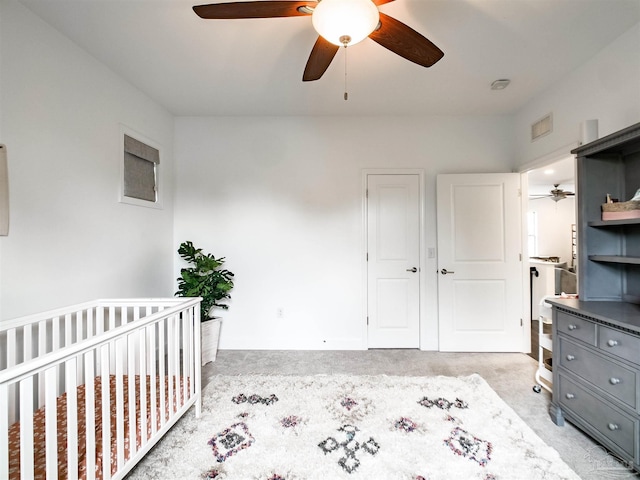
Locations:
column 338, row 23
column 556, row 194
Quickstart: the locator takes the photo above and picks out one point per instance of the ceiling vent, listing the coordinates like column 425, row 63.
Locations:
column 542, row 127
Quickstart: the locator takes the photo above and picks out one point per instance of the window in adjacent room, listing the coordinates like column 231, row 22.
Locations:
column 140, row 171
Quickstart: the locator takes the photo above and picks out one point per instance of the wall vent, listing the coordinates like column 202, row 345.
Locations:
column 542, row 127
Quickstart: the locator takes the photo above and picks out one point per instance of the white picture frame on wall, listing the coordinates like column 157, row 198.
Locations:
column 140, row 169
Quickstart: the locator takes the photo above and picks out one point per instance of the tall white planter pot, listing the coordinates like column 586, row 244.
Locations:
column 210, row 335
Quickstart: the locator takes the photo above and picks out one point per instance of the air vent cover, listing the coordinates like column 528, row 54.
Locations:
column 542, row 127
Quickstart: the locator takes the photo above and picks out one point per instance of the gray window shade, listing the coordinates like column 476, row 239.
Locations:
column 140, row 162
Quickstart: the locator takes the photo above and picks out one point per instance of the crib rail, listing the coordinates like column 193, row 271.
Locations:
column 141, row 355
column 31, row 336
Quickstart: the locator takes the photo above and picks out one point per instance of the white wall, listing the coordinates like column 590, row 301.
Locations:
column 554, row 226
column 606, row 88
column 70, row 240
column 281, row 199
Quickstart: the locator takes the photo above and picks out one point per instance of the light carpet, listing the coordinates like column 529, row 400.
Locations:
column 352, row 427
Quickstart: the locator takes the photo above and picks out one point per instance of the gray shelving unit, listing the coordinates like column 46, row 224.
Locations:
column 608, row 251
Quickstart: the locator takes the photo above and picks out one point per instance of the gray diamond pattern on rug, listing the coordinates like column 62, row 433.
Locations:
column 352, row 427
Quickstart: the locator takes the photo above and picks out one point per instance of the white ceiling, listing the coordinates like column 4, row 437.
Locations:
column 254, row 67
column 560, row 172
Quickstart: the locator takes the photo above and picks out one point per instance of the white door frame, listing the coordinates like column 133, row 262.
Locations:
column 539, row 162
column 393, row 171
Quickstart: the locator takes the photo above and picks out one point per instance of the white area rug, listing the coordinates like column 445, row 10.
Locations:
column 351, row 427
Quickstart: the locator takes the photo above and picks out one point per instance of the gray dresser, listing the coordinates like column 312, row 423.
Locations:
column 596, row 372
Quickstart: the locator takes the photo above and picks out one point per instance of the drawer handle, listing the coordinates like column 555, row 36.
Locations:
column 614, row 381
column 570, row 357
column 573, row 327
column 612, row 343
column 613, row 426
column 570, row 396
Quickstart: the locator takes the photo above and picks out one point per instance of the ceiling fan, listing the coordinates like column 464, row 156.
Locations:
column 556, row 194
column 339, row 23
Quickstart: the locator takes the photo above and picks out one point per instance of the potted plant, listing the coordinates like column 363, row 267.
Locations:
column 207, row 279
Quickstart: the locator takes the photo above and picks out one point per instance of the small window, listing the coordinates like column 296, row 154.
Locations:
column 140, row 171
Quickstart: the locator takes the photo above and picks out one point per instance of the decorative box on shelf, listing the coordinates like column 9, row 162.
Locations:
column 621, row 210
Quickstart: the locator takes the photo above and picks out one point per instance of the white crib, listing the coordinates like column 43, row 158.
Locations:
column 86, row 391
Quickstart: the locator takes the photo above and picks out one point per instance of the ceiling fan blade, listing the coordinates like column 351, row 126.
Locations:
column 254, row 9
column 405, row 41
column 321, row 56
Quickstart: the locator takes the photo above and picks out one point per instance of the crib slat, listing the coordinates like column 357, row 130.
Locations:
column 196, row 346
column 68, row 331
column 27, row 345
column 153, row 387
column 55, row 334
column 79, row 338
column 186, row 357
column 42, row 337
column 131, row 364
column 170, row 364
column 106, row 412
column 71, row 388
column 90, row 415
column 11, row 361
column 175, row 380
column 100, row 320
column 51, row 422
column 161, row 362
column 90, row 323
column 26, row 429
column 79, row 326
column 142, row 338
column 4, row 428
column 11, row 348
column 120, row 352
column 112, row 317
column 42, row 349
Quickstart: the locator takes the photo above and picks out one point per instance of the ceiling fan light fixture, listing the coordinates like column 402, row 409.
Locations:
column 345, row 22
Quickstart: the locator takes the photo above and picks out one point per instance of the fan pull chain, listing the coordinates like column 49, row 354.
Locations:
column 346, row 95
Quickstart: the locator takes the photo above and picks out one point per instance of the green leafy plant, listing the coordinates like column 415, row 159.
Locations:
column 205, row 278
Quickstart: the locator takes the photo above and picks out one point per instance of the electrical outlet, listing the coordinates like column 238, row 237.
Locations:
column 279, row 312
column 431, row 252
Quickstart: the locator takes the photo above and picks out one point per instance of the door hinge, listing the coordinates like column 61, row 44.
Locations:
column 519, row 192
column 367, row 256
column 366, row 193
column 520, row 255
column 521, row 324
column 367, row 321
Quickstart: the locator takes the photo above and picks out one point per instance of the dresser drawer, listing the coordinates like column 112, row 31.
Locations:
column 576, row 327
column 609, row 422
column 620, row 344
column 615, row 379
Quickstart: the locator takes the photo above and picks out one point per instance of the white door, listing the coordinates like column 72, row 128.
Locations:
column 480, row 280
column 393, row 253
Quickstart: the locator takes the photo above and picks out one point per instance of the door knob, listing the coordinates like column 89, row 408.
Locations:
column 444, row 271
column 414, row 269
